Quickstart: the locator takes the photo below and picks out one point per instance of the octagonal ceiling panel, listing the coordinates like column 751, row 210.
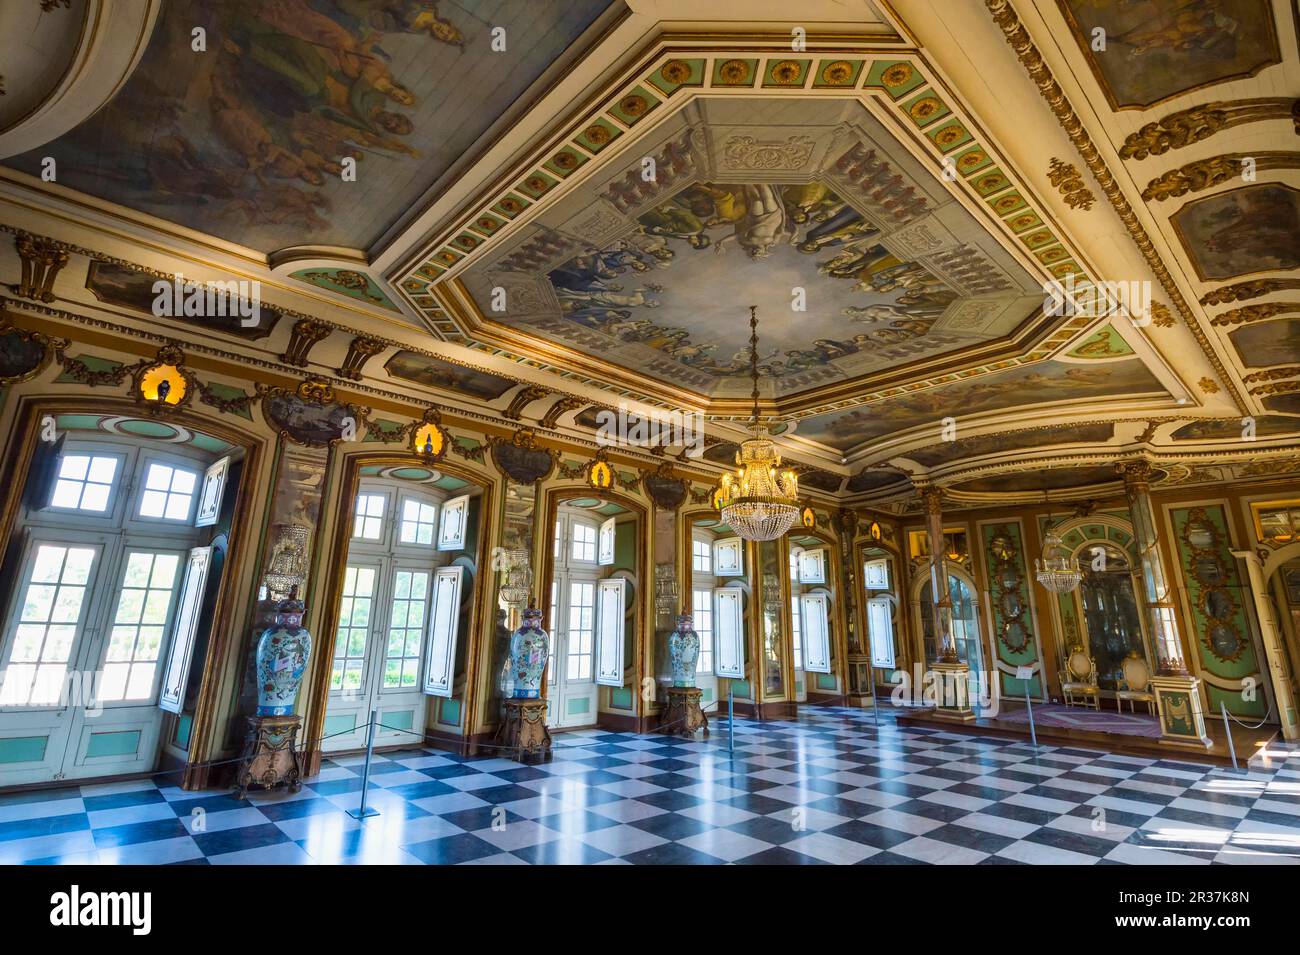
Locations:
column 781, row 203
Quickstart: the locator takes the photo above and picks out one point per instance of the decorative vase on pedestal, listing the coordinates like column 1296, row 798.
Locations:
column 528, row 650
column 684, row 650
column 282, row 654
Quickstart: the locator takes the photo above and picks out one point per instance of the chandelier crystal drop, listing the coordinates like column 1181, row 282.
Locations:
column 760, row 502
column 1056, row 569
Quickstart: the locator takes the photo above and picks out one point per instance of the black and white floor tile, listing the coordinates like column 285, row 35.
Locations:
column 830, row 787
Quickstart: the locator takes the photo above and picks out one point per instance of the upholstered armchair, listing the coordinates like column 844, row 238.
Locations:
column 1079, row 680
column 1137, row 683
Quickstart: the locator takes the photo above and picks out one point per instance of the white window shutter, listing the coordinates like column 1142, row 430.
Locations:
column 815, row 611
column 727, row 557
column 812, row 567
column 875, row 574
column 729, row 633
column 880, row 632
column 213, row 489
column 444, row 628
column 451, row 524
column 609, row 631
column 605, row 543
column 179, row 655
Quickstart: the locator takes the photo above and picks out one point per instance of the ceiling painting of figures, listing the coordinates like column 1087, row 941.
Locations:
column 244, row 139
column 1146, row 51
column 857, row 258
column 1247, row 230
column 1045, row 382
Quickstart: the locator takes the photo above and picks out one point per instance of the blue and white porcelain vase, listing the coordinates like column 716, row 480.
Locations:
column 282, row 654
column 684, row 650
column 528, row 649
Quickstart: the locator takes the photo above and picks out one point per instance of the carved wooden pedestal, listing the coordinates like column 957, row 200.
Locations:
column 682, row 715
column 523, row 735
column 270, row 756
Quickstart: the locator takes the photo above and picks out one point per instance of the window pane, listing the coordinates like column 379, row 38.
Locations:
column 95, row 498
column 159, row 477
column 74, row 466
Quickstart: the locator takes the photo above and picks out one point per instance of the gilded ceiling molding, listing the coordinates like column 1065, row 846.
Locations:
column 248, row 364
column 42, row 260
column 360, row 350
column 1188, row 126
column 1018, row 39
column 1254, row 313
column 1069, row 183
column 522, row 399
column 1272, row 374
column 1209, row 386
column 552, row 416
column 1242, row 291
column 306, row 333
column 1214, row 171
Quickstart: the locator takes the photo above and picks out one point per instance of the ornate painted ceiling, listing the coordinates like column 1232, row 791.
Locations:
column 582, row 217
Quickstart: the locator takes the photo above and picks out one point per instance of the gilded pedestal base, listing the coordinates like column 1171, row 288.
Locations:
column 682, row 715
column 1178, row 701
column 952, row 687
column 270, row 756
column 523, row 735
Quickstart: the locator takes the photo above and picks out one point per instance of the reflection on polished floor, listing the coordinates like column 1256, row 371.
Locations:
column 829, row 787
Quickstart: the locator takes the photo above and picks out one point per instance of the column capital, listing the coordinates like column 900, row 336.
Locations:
column 932, row 497
column 1136, row 473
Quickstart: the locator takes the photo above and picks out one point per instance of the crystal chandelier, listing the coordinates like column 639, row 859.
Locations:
column 1056, row 569
column 758, row 502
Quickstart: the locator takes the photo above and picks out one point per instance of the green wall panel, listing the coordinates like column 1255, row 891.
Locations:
column 123, row 743
column 1222, row 636
column 1014, row 637
column 23, row 749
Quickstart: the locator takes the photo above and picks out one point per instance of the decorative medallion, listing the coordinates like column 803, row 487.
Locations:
column 520, row 459
column 23, row 354
column 309, row 415
column 164, row 384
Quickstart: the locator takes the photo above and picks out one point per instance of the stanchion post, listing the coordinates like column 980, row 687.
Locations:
column 363, row 811
column 1227, row 731
column 1029, row 704
column 875, row 706
column 731, row 722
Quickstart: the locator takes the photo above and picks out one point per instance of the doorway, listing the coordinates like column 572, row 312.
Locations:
column 116, row 563
column 404, row 604
column 590, row 615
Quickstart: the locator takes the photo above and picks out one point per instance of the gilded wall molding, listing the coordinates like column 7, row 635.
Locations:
column 1031, row 59
column 1188, row 126
column 1069, row 183
column 1254, row 313
column 1214, row 171
column 1243, row 291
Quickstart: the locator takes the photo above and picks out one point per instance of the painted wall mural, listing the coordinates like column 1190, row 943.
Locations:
column 245, row 140
column 1247, row 230
column 447, row 376
column 131, row 288
column 962, row 448
column 1027, row 385
column 1054, row 479
column 1156, row 49
column 1222, row 635
column 1265, row 425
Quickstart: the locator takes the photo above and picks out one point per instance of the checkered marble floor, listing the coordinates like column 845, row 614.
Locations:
column 827, row 788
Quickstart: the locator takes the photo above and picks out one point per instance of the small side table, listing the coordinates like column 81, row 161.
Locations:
column 523, row 735
column 270, row 756
column 682, row 715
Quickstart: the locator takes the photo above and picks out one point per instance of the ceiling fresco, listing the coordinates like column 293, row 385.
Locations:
column 244, row 139
column 1268, row 343
column 1051, row 381
column 1156, row 49
column 857, row 258
column 1047, row 480
column 1251, row 229
column 949, row 451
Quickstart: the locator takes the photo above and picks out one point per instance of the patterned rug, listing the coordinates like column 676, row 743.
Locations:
column 1078, row 718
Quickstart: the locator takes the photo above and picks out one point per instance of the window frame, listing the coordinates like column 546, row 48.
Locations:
column 146, row 462
column 398, row 520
